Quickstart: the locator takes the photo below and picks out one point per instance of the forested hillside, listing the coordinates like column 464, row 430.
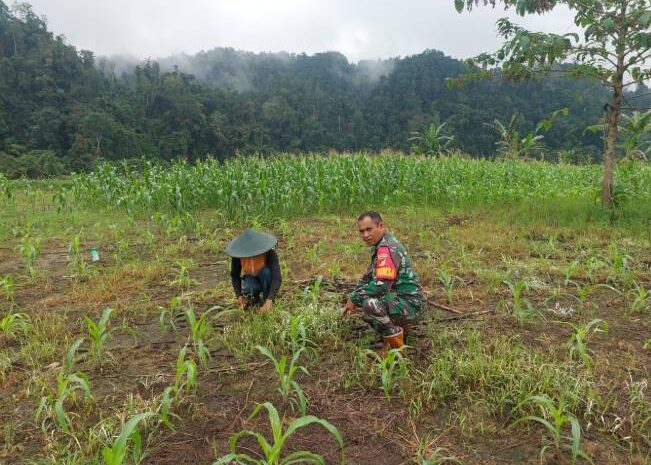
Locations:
column 61, row 109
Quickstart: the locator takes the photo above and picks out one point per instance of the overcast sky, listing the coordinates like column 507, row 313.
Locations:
column 360, row 29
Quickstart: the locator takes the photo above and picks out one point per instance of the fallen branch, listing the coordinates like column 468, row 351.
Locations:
column 446, row 308
column 464, row 316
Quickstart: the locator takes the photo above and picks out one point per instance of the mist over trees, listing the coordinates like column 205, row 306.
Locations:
column 61, row 109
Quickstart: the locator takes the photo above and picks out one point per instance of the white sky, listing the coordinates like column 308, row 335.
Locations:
column 360, row 29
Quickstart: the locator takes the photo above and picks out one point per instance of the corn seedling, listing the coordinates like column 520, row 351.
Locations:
column 199, row 329
column 273, row 451
column 53, row 408
column 183, row 280
column 578, row 340
column 393, row 366
column 522, row 307
column 116, row 453
column 570, row 271
column 98, row 333
column 8, row 288
column 554, row 418
column 447, row 280
column 638, row 299
column 72, row 355
column 186, row 373
column 168, row 315
column 13, row 324
column 583, row 291
column 286, row 373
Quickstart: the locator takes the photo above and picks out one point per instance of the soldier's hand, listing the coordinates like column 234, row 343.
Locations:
column 241, row 301
column 349, row 308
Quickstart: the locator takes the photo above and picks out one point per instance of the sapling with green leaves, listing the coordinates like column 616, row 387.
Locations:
column 273, row 452
column 200, row 329
column 554, row 417
column 8, row 288
column 286, row 373
column 393, row 367
column 98, row 333
column 522, row 308
column 115, row 453
column 578, row 340
column 53, row 407
column 13, row 324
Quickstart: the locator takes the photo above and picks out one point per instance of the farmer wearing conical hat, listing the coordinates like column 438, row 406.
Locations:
column 388, row 294
column 255, row 270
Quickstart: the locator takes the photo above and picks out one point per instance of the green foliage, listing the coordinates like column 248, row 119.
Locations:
column 286, row 373
column 273, row 451
column 98, row 333
column 200, row 329
column 554, row 418
column 392, row 366
column 53, row 407
column 115, row 453
column 13, row 324
column 312, row 184
column 432, row 141
column 578, row 340
column 522, row 307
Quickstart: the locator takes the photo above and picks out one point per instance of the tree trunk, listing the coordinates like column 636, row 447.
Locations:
column 611, row 143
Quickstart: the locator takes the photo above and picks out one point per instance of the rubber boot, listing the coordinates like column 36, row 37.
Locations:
column 393, row 341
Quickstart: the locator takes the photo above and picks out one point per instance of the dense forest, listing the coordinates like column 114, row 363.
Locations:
column 61, row 109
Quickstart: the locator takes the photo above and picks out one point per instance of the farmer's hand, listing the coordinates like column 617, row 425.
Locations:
column 241, row 301
column 350, row 308
column 266, row 306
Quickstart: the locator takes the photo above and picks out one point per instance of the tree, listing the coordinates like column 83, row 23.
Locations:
column 614, row 49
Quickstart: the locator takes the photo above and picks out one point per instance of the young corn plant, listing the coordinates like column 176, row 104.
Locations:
column 447, row 280
column 273, row 451
column 8, row 289
column 638, row 299
column 200, row 329
column 30, row 249
column 73, row 356
column 578, row 341
column 286, row 373
column 185, row 378
column 183, row 280
column 583, row 292
column 116, row 453
column 393, row 367
column 570, row 271
column 13, row 324
column 98, row 333
column 522, row 308
column 554, row 418
column 53, row 407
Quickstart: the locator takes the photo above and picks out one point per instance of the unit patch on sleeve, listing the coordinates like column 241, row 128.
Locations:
column 384, row 266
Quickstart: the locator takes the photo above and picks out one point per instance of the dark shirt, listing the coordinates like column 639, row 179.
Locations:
column 271, row 262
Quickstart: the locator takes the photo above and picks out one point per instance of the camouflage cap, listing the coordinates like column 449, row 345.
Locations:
column 251, row 243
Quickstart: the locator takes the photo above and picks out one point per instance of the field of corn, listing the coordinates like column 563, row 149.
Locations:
column 535, row 348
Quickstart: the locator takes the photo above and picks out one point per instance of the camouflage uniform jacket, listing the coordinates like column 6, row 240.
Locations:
column 390, row 271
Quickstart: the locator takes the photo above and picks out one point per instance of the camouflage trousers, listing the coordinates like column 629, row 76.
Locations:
column 384, row 313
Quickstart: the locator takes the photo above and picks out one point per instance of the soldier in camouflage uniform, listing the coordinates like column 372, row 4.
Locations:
column 389, row 293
